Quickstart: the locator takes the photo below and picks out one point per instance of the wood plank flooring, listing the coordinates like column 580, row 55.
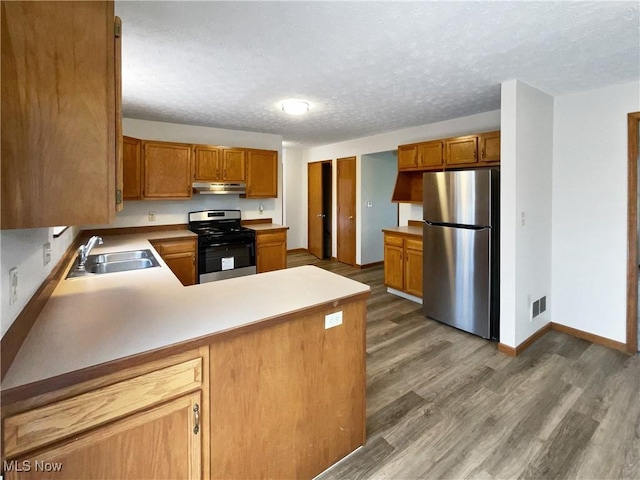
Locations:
column 444, row 404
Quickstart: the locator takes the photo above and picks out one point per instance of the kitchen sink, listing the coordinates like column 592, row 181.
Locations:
column 114, row 262
column 120, row 266
column 120, row 256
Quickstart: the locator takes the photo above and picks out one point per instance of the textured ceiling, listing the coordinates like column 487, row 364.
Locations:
column 366, row 67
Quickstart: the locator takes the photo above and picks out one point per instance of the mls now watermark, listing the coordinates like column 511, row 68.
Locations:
column 28, row 466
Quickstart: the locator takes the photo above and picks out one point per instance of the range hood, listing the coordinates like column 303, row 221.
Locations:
column 220, row 188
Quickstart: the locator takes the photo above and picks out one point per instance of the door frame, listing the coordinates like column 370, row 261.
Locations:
column 633, row 123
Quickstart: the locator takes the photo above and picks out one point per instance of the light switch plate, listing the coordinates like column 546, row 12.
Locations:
column 333, row 320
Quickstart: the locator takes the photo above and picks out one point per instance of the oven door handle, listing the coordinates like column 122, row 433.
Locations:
column 225, row 244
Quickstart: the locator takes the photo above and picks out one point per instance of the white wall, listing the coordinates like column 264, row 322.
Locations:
column 589, row 209
column 23, row 249
column 295, row 199
column 526, row 179
column 135, row 213
column 377, row 180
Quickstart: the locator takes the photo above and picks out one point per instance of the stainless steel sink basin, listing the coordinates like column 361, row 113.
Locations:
column 114, row 262
column 120, row 266
column 119, row 256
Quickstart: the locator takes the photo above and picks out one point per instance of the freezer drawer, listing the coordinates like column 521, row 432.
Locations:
column 457, row 277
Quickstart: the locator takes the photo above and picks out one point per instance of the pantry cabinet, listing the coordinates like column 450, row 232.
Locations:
column 149, row 421
column 59, row 116
column 403, row 263
column 167, row 170
column 181, row 257
column 271, row 250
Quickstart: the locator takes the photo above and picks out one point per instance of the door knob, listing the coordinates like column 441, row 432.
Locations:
column 350, row 217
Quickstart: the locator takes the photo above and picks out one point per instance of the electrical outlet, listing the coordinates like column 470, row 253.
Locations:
column 46, row 253
column 152, row 216
column 369, row 204
column 333, row 320
column 13, row 285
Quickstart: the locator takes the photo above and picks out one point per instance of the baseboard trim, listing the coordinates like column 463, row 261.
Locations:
column 298, row 250
column 402, row 294
column 514, row 352
column 17, row 333
column 605, row 342
column 574, row 332
column 369, row 265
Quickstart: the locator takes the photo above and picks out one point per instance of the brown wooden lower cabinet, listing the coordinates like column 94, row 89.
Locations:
column 283, row 401
column 403, row 263
column 142, row 426
column 181, row 257
column 271, row 250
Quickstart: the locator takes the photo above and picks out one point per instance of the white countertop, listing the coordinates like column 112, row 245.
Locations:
column 92, row 320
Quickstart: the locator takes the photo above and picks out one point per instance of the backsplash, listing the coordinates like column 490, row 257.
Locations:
column 170, row 212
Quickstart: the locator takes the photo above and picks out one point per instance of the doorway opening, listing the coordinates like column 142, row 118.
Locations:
column 319, row 201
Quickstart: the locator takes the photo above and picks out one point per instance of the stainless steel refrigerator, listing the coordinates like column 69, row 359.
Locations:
column 461, row 250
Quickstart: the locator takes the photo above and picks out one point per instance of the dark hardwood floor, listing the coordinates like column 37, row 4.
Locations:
column 444, row 404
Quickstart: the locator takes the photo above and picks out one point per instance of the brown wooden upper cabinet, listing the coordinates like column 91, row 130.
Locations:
column 262, row 174
column 489, row 145
column 132, row 168
column 469, row 151
column 167, row 170
column 461, row 151
column 419, row 156
column 54, row 134
column 219, row 164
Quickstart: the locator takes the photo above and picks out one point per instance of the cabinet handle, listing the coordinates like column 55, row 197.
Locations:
column 196, row 418
column 217, row 173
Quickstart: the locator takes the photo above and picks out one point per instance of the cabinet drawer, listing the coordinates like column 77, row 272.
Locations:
column 393, row 240
column 271, row 237
column 40, row 426
column 414, row 244
column 176, row 246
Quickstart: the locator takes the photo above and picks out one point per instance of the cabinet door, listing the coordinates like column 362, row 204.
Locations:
column 462, row 151
column 132, row 178
column 58, row 114
column 167, row 170
column 407, row 156
column 180, row 256
column 183, row 265
column 490, row 147
column 430, row 154
column 233, row 167
column 413, row 267
column 271, row 251
column 207, row 163
column 262, row 174
column 161, row 443
column 393, row 262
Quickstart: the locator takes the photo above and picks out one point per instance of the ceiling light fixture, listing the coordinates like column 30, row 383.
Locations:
column 295, row 107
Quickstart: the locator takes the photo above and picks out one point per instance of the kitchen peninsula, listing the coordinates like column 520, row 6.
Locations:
column 257, row 376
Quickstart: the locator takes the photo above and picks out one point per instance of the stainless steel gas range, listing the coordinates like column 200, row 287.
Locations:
column 225, row 248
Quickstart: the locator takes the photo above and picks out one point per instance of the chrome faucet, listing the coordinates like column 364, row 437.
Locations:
column 84, row 250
